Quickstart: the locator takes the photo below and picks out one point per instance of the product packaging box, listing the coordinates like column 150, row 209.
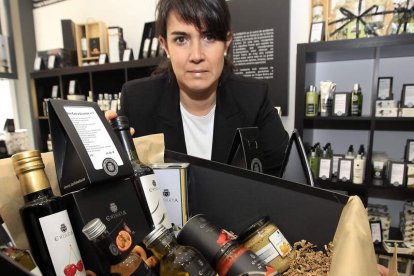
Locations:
column 85, row 147
column 386, row 112
column 172, row 179
column 117, row 205
column 407, row 112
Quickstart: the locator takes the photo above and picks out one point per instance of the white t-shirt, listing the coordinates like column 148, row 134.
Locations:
column 198, row 132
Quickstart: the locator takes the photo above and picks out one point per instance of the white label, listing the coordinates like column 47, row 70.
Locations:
column 54, row 91
column 72, row 84
column 51, row 62
column 155, row 202
column 376, row 232
column 316, row 32
column 267, row 253
column 384, row 89
column 145, row 51
column 37, row 63
column 345, row 170
column 410, row 171
column 93, row 135
column 280, row 243
column 61, row 243
column 335, row 164
column 397, row 174
column 171, row 187
column 340, row 104
column 325, row 168
column 102, row 58
column 127, row 54
column 411, row 152
column 409, row 96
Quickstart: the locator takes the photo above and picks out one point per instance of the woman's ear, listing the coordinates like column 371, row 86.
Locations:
column 229, row 39
column 164, row 45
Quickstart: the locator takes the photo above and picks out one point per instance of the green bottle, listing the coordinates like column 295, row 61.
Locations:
column 311, row 102
column 356, row 100
column 314, row 162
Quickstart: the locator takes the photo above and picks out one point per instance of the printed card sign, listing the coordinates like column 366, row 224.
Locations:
column 85, row 148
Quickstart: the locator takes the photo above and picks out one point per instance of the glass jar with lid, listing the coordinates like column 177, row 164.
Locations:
column 268, row 242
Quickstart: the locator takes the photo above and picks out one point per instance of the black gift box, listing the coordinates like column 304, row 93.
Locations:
column 114, row 203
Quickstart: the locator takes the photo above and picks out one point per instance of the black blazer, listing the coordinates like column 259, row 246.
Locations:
column 153, row 106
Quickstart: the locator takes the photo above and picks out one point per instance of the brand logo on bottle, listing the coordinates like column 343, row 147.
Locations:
column 256, row 165
column 110, row 166
column 166, row 193
column 115, row 213
column 64, row 229
column 154, row 184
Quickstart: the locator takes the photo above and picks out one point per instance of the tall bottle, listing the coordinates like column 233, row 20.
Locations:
column 144, row 178
column 45, row 220
column 176, row 259
column 317, row 11
column 124, row 261
column 84, row 44
column 311, row 102
column 314, row 162
column 359, row 167
column 350, row 153
column 356, row 100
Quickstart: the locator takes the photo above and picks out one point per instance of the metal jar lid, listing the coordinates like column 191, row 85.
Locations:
column 252, row 228
column 154, row 234
column 94, row 229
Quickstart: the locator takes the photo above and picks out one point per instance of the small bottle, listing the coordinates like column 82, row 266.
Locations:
column 144, row 178
column 84, row 44
column 356, row 100
column 105, row 102
column 147, row 44
column 318, row 149
column 114, row 103
column 359, row 167
column 100, row 101
column 176, row 259
column 350, row 153
column 311, row 102
column 314, row 162
column 118, row 106
column 90, row 96
column 45, row 220
column 120, row 254
column 317, row 11
column 154, row 47
column 327, row 151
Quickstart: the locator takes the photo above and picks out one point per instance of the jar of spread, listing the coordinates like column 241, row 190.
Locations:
column 268, row 242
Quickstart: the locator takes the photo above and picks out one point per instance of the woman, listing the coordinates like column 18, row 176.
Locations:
column 197, row 102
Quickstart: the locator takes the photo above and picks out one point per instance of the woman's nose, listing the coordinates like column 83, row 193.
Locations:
column 196, row 54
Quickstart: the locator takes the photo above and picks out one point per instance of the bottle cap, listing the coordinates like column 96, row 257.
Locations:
column 154, row 234
column 253, row 227
column 94, row 229
column 120, row 123
column 312, row 88
column 356, row 86
column 27, row 161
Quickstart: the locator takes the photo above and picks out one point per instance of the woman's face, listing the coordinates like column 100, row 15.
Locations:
column 197, row 58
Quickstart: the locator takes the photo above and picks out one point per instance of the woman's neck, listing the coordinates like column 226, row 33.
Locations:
column 198, row 104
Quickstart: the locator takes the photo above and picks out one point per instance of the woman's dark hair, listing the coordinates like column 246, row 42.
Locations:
column 211, row 16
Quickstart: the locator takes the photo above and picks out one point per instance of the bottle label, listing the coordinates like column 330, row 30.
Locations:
column 155, row 200
column 310, row 109
column 280, row 243
column 354, row 109
column 61, row 243
column 98, row 144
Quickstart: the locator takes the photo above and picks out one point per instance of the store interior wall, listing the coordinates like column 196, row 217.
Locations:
column 131, row 16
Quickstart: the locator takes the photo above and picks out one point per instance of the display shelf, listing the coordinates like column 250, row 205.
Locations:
column 100, row 78
column 396, row 124
column 358, row 123
column 334, row 60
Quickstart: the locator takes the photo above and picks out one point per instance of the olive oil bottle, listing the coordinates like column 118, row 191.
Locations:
column 356, row 100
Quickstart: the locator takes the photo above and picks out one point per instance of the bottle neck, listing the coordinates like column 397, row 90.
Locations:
column 34, row 184
column 39, row 195
column 126, row 140
column 163, row 245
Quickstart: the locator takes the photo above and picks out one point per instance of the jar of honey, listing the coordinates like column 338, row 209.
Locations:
column 268, row 243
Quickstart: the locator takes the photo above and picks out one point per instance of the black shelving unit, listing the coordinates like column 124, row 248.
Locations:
column 375, row 51
column 104, row 78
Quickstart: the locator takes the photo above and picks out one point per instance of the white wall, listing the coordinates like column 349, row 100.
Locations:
column 131, row 16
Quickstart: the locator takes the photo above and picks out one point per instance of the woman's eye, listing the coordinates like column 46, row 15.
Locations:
column 210, row 37
column 180, row 39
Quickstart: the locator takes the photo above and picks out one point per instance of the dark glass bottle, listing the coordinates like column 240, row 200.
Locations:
column 356, row 100
column 176, row 259
column 117, row 251
column 144, row 178
column 45, row 220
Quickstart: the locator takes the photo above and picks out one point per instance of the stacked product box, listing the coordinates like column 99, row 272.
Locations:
column 377, row 212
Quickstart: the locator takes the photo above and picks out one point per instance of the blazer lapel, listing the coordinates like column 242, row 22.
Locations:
column 169, row 119
column 227, row 118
